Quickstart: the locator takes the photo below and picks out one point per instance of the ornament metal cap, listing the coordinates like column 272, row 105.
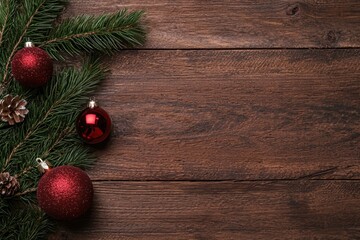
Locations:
column 28, row 43
column 92, row 103
column 43, row 166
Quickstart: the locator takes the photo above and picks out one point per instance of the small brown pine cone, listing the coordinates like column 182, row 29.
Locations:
column 12, row 109
column 8, row 184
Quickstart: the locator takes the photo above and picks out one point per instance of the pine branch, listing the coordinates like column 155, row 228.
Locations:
column 4, row 17
column 43, row 20
column 5, row 79
column 105, row 34
column 49, row 129
column 28, row 223
column 7, row 16
column 66, row 132
column 58, row 107
column 24, row 171
column 27, row 191
column 35, row 19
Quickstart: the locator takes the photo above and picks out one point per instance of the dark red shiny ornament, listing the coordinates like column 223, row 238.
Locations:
column 31, row 66
column 94, row 124
column 65, row 192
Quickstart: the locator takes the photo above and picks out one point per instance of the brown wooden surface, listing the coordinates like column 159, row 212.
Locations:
column 241, row 23
column 223, row 132
column 239, row 114
column 222, row 210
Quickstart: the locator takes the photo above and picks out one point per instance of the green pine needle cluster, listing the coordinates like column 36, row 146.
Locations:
column 106, row 34
column 48, row 131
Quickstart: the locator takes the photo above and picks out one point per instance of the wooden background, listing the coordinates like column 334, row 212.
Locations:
column 239, row 119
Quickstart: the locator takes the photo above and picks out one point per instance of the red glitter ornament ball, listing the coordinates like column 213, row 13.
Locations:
column 94, row 124
column 31, row 66
column 65, row 192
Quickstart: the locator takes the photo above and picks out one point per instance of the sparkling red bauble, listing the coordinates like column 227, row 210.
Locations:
column 94, row 125
column 65, row 192
column 32, row 67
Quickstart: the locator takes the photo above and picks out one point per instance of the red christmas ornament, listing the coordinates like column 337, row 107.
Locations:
column 94, row 124
column 64, row 192
column 31, row 66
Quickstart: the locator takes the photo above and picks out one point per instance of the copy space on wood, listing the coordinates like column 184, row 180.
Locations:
column 222, row 210
column 209, row 114
column 241, row 24
column 213, row 115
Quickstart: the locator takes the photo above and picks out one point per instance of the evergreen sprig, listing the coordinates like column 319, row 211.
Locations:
column 105, row 34
column 32, row 19
column 24, row 223
column 49, row 129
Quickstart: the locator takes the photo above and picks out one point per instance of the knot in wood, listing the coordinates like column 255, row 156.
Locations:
column 332, row 36
column 292, row 10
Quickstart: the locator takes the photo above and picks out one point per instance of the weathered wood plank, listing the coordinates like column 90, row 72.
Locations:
column 244, row 114
column 210, row 115
column 221, row 210
column 241, row 24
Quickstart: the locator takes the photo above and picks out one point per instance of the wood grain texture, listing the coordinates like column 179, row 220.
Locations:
column 215, row 115
column 221, row 210
column 282, row 125
column 241, row 24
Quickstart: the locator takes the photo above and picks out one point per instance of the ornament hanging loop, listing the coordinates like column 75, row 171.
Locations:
column 28, row 44
column 43, row 166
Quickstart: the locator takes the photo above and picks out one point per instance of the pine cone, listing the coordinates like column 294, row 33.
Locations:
column 8, row 184
column 12, row 109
